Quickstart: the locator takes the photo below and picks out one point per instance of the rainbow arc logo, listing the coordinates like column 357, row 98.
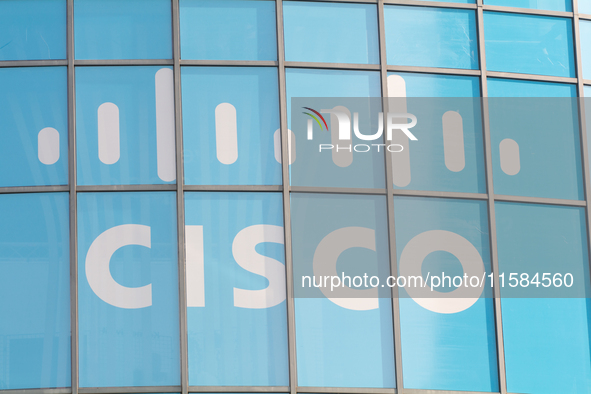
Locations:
column 315, row 118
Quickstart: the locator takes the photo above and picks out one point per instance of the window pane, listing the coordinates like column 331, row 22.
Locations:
column 585, row 32
column 33, row 126
column 546, row 338
column 228, row 30
column 242, row 297
column 230, row 118
column 529, row 44
column 313, row 169
column 431, row 37
column 32, row 29
column 464, row 340
column 342, row 342
column 121, row 106
column 331, row 32
column 428, row 163
column 547, row 166
column 551, row 5
column 128, row 289
column 35, row 291
column 585, row 6
column 123, row 29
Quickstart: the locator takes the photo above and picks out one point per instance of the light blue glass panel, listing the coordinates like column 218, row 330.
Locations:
column 366, row 170
column 585, row 32
column 428, row 166
column 228, row 30
column 463, row 341
column 118, row 138
column 546, row 340
column 230, row 117
column 431, row 37
column 33, row 126
column 32, row 29
column 529, row 44
column 123, row 29
column 331, row 32
column 35, row 291
column 550, row 5
column 549, row 161
column 239, row 238
column 338, row 346
column 585, row 6
column 128, row 289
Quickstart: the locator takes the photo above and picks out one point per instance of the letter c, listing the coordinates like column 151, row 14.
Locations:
column 98, row 273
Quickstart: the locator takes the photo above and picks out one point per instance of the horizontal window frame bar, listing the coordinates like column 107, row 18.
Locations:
column 435, row 70
column 436, row 4
column 336, row 190
column 539, row 200
column 130, row 389
column 527, row 11
column 438, row 194
column 238, row 389
column 233, row 188
column 124, row 62
column 229, row 63
column 32, row 63
column 530, row 77
column 33, row 189
column 333, row 66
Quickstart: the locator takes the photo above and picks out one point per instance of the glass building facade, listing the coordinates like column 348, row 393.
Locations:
column 154, row 199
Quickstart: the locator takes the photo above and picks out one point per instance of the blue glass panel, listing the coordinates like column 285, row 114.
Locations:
column 551, row 5
column 546, row 340
column 35, row 291
column 427, row 158
column 585, row 6
column 230, row 117
column 463, row 341
column 431, row 37
column 33, row 126
column 366, row 170
column 342, row 345
column 32, row 29
column 585, row 32
column 128, row 289
column 547, row 166
column 120, row 139
column 529, row 44
column 242, row 297
column 331, row 32
column 123, row 29
column 228, row 30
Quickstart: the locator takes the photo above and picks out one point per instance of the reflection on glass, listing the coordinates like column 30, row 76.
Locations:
column 228, row 30
column 128, row 289
column 236, row 283
column 230, row 126
column 431, row 37
column 342, row 342
column 33, row 126
column 123, row 29
column 35, row 291
column 529, row 44
column 32, row 29
column 331, row 32
column 125, row 125
column 550, row 5
column 545, row 337
column 464, row 341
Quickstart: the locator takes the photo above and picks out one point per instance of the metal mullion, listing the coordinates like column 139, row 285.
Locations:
column 126, row 188
column 421, row 3
column 492, row 224
column 38, row 391
column 33, row 189
column 73, row 201
column 230, row 63
column 439, row 194
column 527, row 11
column 390, row 208
column 285, row 154
column 32, row 63
column 333, row 66
column 434, row 70
column 124, row 62
column 346, row 390
column 238, row 389
column 540, row 200
column 335, row 190
column 531, row 77
column 129, row 389
column 234, row 188
column 583, row 16
column 180, row 197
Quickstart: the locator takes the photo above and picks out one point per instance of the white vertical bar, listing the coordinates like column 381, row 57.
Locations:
column 453, row 141
column 226, row 133
column 108, row 133
column 195, row 267
column 290, row 144
column 509, row 155
column 340, row 157
column 165, row 150
column 48, row 145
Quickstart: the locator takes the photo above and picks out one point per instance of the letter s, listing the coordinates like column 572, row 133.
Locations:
column 243, row 250
column 98, row 273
